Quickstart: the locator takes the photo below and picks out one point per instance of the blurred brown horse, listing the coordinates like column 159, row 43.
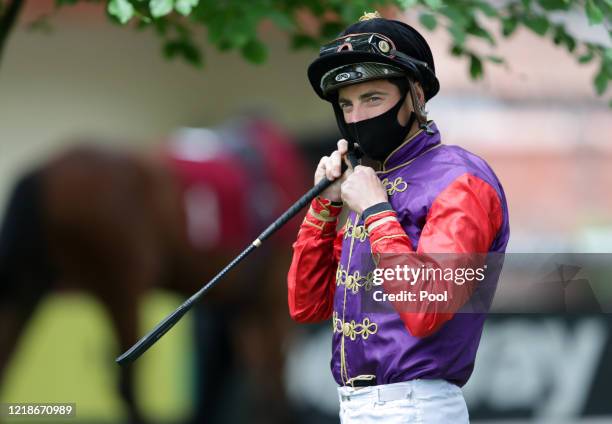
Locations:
column 117, row 224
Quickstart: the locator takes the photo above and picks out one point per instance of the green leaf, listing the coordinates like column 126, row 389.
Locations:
column 161, row 26
column 316, row 8
column 601, row 81
column 606, row 63
column 562, row 37
column 478, row 31
column 434, row 4
column 407, row 4
column 586, row 58
column 509, row 26
column 428, row 21
column 215, row 30
column 121, row 9
column 570, row 43
column 486, row 8
column 555, row 4
column 184, row 7
column 331, row 29
column 537, row 23
column 255, row 51
column 475, row 67
column 224, row 45
column 300, row 41
column 281, row 20
column 593, row 12
column 456, row 50
column 458, row 16
column 458, row 34
column 160, row 8
column 496, row 59
column 185, row 49
column 350, row 13
column 239, row 39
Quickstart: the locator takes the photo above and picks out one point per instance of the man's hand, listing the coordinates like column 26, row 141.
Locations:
column 330, row 167
column 363, row 189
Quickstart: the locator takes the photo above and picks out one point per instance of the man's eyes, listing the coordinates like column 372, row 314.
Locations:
column 373, row 99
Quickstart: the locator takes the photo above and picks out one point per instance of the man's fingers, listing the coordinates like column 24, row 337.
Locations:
column 320, row 172
column 335, row 164
column 331, row 165
column 329, row 168
column 347, row 173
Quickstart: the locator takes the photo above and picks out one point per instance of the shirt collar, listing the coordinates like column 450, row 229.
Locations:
column 412, row 147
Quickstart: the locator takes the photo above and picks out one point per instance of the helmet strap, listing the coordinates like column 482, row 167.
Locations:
column 418, row 107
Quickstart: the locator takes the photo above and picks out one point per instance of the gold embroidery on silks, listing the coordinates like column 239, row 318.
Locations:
column 358, row 232
column 355, row 280
column 312, row 224
column 351, row 329
column 396, row 186
column 340, row 275
column 343, row 364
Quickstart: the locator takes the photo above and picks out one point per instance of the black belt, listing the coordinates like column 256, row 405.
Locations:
column 364, row 383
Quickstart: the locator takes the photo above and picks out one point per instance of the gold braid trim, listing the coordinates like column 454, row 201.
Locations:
column 354, row 281
column 358, row 232
column 381, row 222
column 312, row 224
column 396, row 186
column 388, row 237
column 322, row 216
column 351, row 329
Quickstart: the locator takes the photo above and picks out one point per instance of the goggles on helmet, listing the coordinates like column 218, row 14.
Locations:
column 369, row 42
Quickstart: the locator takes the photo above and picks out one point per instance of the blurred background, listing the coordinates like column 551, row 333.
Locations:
column 535, row 120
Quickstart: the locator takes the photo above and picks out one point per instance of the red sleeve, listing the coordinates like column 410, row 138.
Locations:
column 464, row 218
column 316, row 252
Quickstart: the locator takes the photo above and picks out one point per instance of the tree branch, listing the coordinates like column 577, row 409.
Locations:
column 7, row 21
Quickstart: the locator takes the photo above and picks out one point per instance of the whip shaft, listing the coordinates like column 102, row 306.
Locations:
column 167, row 323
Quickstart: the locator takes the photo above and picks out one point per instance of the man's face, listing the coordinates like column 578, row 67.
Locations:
column 369, row 99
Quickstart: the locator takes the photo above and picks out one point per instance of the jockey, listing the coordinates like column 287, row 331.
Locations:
column 392, row 365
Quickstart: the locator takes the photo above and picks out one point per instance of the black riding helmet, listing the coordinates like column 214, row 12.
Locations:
column 373, row 49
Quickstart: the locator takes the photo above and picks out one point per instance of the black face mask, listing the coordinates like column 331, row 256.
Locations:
column 378, row 136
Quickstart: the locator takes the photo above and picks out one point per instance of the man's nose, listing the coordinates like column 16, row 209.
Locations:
column 355, row 115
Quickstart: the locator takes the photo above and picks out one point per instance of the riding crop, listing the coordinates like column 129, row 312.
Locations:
column 167, row 323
